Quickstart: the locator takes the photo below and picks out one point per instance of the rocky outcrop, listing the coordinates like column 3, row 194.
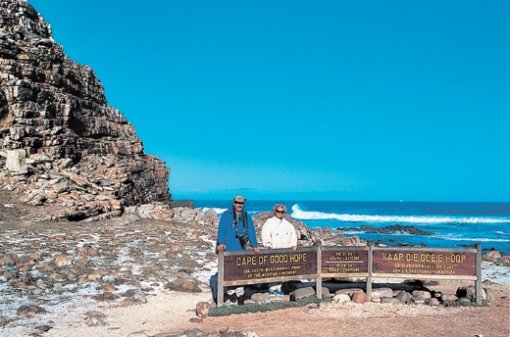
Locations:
column 387, row 230
column 61, row 144
column 164, row 212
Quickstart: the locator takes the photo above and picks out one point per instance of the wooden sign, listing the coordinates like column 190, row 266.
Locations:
column 344, row 261
column 424, row 262
column 277, row 264
column 241, row 268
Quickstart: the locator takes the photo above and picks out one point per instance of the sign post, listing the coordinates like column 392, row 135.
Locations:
column 370, row 271
column 318, row 283
column 478, row 282
column 221, row 273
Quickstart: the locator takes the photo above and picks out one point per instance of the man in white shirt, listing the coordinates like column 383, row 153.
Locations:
column 277, row 232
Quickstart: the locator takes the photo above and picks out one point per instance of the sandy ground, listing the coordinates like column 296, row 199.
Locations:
column 168, row 311
column 385, row 320
column 173, row 312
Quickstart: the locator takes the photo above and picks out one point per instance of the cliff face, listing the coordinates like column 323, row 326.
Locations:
column 62, row 145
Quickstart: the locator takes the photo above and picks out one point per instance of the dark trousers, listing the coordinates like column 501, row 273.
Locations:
column 213, row 283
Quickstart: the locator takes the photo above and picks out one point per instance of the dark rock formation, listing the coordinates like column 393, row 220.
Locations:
column 387, row 230
column 62, row 145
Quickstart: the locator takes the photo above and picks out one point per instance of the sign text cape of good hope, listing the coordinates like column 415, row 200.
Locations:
column 269, row 265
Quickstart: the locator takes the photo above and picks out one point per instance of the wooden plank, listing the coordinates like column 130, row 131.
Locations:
column 270, row 280
column 422, row 249
column 326, row 248
column 340, row 275
column 263, row 250
column 424, row 276
column 454, row 263
column 268, row 265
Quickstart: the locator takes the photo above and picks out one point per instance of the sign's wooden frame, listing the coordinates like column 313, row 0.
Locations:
column 308, row 263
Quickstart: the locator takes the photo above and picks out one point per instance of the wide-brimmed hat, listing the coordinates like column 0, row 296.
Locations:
column 240, row 199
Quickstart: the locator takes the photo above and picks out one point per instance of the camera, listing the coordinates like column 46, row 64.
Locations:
column 243, row 238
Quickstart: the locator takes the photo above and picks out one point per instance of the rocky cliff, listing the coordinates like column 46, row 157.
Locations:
column 62, row 146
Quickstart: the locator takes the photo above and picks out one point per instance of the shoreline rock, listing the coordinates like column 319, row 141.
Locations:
column 387, row 229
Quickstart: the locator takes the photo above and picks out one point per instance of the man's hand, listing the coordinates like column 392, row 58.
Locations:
column 221, row 247
column 256, row 250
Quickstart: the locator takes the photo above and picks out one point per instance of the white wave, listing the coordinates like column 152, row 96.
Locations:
column 217, row 210
column 298, row 213
column 456, row 238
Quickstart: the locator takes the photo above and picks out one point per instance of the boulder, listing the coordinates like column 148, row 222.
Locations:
column 95, row 318
column 326, row 293
column 404, row 296
column 62, row 260
column 341, row 298
column 382, row 292
column 29, row 310
column 301, row 293
column 433, row 302
column 492, row 256
column 4, row 321
column 202, row 309
column 184, row 284
column 15, row 162
column 421, row 295
column 359, row 298
column 259, row 297
column 349, row 291
column 390, row 300
column 505, row 260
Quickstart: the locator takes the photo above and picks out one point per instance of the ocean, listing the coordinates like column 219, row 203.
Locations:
column 438, row 224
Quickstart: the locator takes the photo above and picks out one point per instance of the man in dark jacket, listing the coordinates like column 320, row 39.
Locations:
column 236, row 232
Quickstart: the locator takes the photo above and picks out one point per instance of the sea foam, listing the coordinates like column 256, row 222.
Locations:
column 298, row 213
column 450, row 237
column 217, row 210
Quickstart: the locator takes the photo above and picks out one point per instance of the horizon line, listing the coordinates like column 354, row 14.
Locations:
column 346, row 200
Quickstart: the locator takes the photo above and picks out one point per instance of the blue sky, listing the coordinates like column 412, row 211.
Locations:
column 342, row 100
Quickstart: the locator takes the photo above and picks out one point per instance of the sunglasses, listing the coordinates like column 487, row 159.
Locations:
column 279, row 211
column 238, row 203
